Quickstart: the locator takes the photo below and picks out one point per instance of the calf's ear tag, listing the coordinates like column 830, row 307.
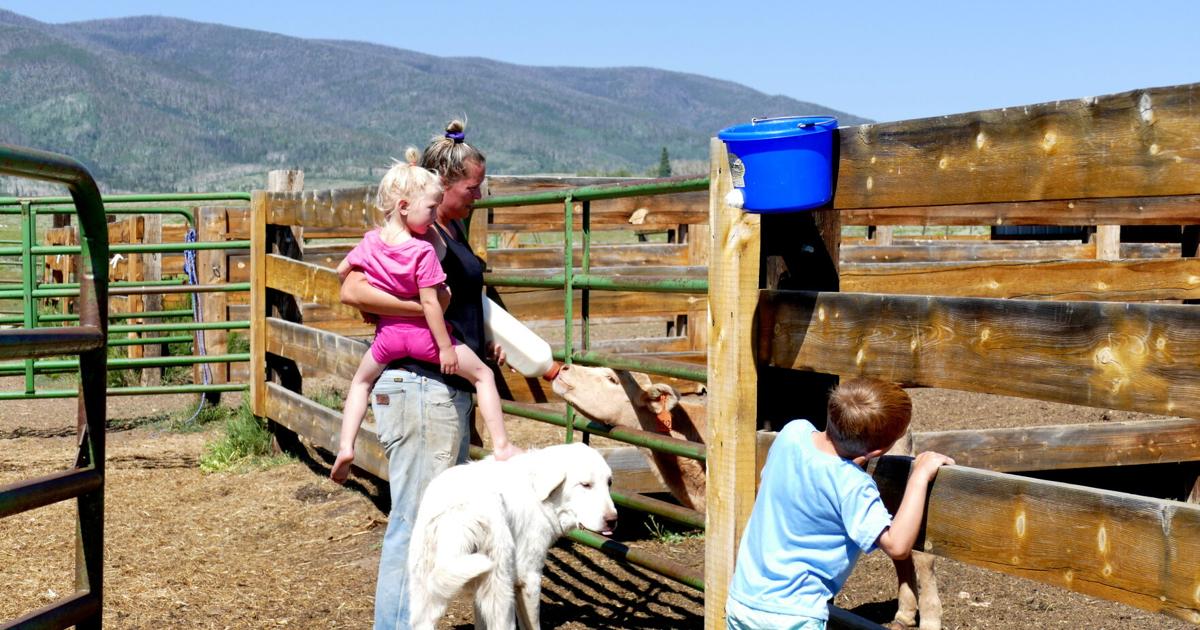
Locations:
column 663, row 417
column 381, row 399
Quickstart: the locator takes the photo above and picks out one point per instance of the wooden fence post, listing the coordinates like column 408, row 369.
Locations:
column 212, row 267
column 258, row 303
column 699, row 239
column 1108, row 242
column 153, row 301
column 732, row 382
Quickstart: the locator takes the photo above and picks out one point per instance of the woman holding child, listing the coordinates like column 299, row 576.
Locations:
column 423, row 415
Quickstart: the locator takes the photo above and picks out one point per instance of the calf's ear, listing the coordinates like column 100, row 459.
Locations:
column 659, row 398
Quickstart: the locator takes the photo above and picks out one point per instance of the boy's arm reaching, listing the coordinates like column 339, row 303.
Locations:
column 437, row 325
column 897, row 541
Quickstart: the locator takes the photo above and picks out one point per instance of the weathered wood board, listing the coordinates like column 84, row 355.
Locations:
column 1139, row 143
column 1109, row 280
column 1139, row 357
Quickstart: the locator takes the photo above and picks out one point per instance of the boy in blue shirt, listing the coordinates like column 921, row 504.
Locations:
column 817, row 510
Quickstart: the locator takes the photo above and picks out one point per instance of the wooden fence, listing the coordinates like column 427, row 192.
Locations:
column 1105, row 329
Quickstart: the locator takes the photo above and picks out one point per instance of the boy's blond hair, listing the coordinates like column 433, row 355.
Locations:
column 866, row 414
column 403, row 181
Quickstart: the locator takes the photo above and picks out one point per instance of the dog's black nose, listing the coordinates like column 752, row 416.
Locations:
column 610, row 522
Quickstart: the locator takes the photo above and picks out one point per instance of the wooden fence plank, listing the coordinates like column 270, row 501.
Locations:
column 658, row 254
column 315, row 349
column 538, row 304
column 309, row 283
column 1135, row 550
column 733, row 384
column 1140, row 357
column 1068, row 446
column 1136, row 143
column 1127, row 280
column 957, row 251
column 340, row 208
column 1166, row 210
column 321, row 425
column 663, row 212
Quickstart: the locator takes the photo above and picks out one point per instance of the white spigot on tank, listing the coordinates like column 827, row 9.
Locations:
column 524, row 350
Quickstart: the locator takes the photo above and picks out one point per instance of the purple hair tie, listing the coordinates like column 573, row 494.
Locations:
column 456, row 136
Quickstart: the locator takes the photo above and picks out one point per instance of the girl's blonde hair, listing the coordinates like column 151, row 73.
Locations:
column 403, row 181
column 447, row 155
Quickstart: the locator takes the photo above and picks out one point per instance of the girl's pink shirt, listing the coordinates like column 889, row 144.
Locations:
column 401, row 270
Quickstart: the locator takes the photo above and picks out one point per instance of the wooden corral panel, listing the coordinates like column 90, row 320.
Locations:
column 314, row 349
column 657, row 212
column 1068, row 446
column 321, row 425
column 1124, row 280
column 1139, row 357
column 1134, row 144
column 945, row 251
column 547, row 304
column 309, row 283
column 325, row 255
column 1168, row 210
column 651, row 254
column 341, row 208
column 1139, row 551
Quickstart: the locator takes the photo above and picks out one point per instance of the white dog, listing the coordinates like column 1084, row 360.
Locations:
column 486, row 526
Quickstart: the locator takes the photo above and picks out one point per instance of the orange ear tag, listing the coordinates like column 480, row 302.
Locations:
column 664, row 415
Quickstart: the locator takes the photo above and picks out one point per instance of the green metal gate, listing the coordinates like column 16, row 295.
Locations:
column 85, row 481
column 586, row 281
column 31, row 291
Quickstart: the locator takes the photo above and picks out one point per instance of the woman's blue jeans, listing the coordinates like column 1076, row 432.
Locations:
column 423, row 427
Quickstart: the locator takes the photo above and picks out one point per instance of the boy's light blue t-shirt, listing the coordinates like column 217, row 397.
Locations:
column 815, row 513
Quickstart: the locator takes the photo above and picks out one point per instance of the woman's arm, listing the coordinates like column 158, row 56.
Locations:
column 359, row 293
column 437, row 325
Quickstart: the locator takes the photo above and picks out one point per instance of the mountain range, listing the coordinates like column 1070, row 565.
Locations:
column 155, row 104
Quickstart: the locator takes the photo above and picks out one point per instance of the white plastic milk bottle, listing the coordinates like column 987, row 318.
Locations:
column 525, row 351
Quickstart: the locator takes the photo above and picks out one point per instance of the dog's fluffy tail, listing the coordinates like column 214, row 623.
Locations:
column 459, row 556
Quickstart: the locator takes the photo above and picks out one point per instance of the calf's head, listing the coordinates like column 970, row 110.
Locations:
column 619, row 398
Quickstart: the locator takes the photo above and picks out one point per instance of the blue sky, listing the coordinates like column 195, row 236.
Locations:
column 883, row 60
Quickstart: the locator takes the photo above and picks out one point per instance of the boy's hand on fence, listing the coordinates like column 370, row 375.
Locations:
column 341, row 466
column 925, row 466
column 449, row 360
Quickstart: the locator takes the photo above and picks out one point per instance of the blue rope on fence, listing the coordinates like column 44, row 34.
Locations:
column 189, row 267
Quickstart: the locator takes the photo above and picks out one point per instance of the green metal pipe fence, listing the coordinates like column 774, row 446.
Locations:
column 29, row 290
column 569, row 280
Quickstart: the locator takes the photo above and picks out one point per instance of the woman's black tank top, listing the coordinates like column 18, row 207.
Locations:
column 464, row 276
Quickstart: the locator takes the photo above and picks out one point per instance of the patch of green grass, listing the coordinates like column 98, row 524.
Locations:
column 121, row 378
column 237, row 343
column 331, row 397
column 182, row 421
column 244, row 446
column 670, row 533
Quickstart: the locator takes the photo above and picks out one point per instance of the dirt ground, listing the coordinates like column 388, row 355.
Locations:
column 285, row 547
